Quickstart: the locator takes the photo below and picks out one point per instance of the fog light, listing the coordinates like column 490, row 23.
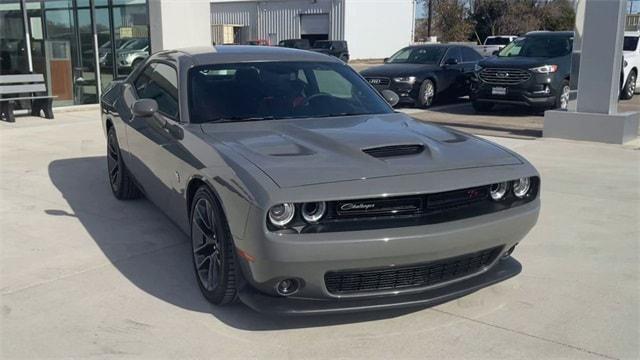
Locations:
column 314, row 211
column 509, row 252
column 498, row 191
column 521, row 187
column 287, row 287
column 282, row 214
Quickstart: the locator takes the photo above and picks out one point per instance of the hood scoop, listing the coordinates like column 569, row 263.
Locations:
column 394, row 150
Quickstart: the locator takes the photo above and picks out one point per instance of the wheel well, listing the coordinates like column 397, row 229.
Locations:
column 109, row 124
column 193, row 186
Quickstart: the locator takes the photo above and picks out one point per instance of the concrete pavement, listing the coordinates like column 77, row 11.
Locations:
column 85, row 275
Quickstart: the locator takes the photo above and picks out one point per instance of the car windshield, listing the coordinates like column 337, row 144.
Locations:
column 630, row 43
column 279, row 90
column 418, row 55
column 497, row 41
column 538, row 46
column 322, row 44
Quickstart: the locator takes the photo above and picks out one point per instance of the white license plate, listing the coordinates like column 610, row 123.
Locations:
column 499, row 91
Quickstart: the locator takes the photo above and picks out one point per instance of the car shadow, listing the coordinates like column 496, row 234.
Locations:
column 154, row 255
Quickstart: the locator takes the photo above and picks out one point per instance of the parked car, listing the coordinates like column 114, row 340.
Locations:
column 423, row 73
column 631, row 65
column 259, row 42
column 337, row 48
column 531, row 71
column 298, row 184
column 493, row 44
column 295, row 44
column 132, row 53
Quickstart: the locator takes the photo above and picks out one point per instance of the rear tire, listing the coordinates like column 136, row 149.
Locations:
column 629, row 87
column 481, row 107
column 213, row 257
column 121, row 181
column 427, row 94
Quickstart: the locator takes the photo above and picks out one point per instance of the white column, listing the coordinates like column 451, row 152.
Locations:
column 179, row 23
column 596, row 117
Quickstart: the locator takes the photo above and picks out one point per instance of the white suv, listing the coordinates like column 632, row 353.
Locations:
column 631, row 65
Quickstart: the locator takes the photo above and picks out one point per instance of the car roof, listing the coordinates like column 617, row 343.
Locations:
column 551, row 33
column 222, row 54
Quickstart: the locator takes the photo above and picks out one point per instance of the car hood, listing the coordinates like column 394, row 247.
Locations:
column 301, row 152
column 392, row 70
column 516, row 62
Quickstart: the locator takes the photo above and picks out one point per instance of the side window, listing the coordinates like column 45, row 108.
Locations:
column 331, row 82
column 163, row 88
column 143, row 79
column 469, row 55
column 453, row 53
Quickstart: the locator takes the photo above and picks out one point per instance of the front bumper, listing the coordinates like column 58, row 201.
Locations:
column 503, row 270
column 530, row 93
column 309, row 257
column 407, row 92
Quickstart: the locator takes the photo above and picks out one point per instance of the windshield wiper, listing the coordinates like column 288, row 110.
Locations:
column 241, row 118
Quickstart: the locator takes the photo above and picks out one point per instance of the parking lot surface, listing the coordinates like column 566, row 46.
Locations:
column 85, row 275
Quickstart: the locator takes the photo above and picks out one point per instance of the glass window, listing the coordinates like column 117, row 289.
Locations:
column 630, row 43
column 498, row 40
column 470, row 55
column 160, row 83
column 278, row 90
column 131, row 32
column 538, row 46
column 454, row 53
column 418, row 55
column 13, row 46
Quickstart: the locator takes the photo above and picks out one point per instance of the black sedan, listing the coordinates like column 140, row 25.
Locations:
column 421, row 74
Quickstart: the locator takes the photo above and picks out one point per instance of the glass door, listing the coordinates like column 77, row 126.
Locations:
column 60, row 49
column 13, row 46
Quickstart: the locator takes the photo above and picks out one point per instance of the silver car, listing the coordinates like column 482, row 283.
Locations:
column 303, row 192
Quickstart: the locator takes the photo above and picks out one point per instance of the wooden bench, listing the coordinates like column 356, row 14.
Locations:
column 12, row 86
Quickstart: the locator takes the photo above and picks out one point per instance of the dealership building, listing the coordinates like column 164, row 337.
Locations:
column 372, row 28
column 81, row 46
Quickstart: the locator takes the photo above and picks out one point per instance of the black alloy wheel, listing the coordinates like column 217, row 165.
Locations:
column 121, row 181
column 213, row 255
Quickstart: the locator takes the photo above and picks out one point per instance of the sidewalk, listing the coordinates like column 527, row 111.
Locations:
column 85, row 275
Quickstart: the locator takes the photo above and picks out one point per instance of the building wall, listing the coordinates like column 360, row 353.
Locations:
column 376, row 29
column 277, row 20
column 179, row 23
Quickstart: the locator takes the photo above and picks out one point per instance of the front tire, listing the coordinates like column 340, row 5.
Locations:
column 213, row 255
column 427, row 94
column 121, row 181
column 629, row 87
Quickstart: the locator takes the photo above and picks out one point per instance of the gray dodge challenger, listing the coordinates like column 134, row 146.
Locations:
column 301, row 189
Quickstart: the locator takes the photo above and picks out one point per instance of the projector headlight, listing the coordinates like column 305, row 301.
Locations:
column 312, row 212
column 407, row 80
column 521, row 187
column 545, row 69
column 498, row 191
column 280, row 215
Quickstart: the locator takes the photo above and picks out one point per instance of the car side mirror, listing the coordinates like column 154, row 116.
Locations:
column 391, row 97
column 451, row 61
column 145, row 108
column 495, row 52
column 386, row 60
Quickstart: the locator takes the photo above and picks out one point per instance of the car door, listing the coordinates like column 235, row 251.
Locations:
column 151, row 139
column 453, row 73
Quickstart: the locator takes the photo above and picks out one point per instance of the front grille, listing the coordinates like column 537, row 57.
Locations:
column 407, row 277
column 378, row 81
column 394, row 150
column 497, row 76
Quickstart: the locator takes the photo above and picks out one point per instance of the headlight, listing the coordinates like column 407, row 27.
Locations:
column 408, row 80
column 477, row 68
column 498, row 191
column 521, row 187
column 282, row 214
column 314, row 211
column 545, row 69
